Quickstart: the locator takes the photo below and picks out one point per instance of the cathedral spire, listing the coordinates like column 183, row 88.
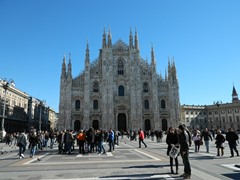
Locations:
column 87, row 60
column 166, row 77
column 136, row 40
column 63, row 75
column 69, row 72
column 104, row 41
column 153, row 57
column 130, row 39
column 174, row 71
column 234, row 95
column 169, row 68
column 109, row 39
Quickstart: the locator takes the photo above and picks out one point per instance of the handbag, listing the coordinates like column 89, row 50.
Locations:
column 201, row 142
column 174, row 152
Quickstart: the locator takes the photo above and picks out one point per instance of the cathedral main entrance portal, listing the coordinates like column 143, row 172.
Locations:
column 95, row 124
column 164, row 125
column 122, row 122
column 147, row 125
column 77, row 125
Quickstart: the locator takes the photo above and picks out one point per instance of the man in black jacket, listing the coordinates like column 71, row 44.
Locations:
column 185, row 142
column 232, row 138
column 206, row 136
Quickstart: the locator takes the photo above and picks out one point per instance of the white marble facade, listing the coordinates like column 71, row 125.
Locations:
column 119, row 90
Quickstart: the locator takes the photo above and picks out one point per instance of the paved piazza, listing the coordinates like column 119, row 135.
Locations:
column 126, row 162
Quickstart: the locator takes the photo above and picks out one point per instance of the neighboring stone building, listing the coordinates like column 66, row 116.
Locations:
column 52, row 118
column 119, row 90
column 15, row 109
column 39, row 114
column 216, row 116
column 23, row 112
column 194, row 116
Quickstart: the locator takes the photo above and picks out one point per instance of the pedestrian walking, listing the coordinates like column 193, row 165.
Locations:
column 232, row 138
column 60, row 140
column 220, row 139
column 141, row 138
column 196, row 139
column 185, row 143
column 172, row 141
column 21, row 143
column 33, row 141
column 206, row 136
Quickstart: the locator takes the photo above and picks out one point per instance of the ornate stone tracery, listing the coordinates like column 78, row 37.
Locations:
column 121, row 82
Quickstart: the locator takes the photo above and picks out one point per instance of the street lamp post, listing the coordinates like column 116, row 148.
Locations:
column 5, row 85
column 220, row 122
column 40, row 118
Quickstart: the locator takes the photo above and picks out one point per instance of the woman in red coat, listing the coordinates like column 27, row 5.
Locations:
column 141, row 138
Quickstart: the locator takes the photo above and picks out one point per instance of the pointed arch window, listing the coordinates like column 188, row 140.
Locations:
column 120, row 67
column 163, row 104
column 145, row 87
column 121, row 90
column 95, row 87
column 77, row 105
column 95, row 104
column 146, row 104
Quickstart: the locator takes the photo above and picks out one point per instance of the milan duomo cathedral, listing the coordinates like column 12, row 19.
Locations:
column 119, row 90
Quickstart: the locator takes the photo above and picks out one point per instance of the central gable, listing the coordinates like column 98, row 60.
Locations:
column 120, row 47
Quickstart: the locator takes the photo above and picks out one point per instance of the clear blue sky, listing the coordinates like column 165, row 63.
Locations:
column 202, row 36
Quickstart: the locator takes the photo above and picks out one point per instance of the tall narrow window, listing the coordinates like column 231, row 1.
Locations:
column 77, row 105
column 95, row 87
column 146, row 104
column 145, row 87
column 121, row 91
column 163, row 104
column 95, row 104
column 120, row 67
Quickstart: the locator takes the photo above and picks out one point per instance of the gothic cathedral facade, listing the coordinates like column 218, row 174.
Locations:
column 119, row 90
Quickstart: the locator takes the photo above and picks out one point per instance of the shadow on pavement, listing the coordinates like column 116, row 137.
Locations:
column 232, row 175
column 142, row 176
column 148, row 166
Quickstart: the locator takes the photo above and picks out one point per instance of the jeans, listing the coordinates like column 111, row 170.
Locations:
column 111, row 145
column 32, row 150
column 207, row 145
column 51, row 143
column 22, row 149
column 68, row 147
column 186, row 163
column 100, row 147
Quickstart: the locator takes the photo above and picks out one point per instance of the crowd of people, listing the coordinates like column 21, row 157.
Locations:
column 181, row 138
column 93, row 141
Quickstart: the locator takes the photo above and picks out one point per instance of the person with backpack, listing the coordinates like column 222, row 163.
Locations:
column 81, row 138
column 21, row 143
column 220, row 139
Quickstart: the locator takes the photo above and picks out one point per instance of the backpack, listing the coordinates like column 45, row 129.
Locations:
column 80, row 137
